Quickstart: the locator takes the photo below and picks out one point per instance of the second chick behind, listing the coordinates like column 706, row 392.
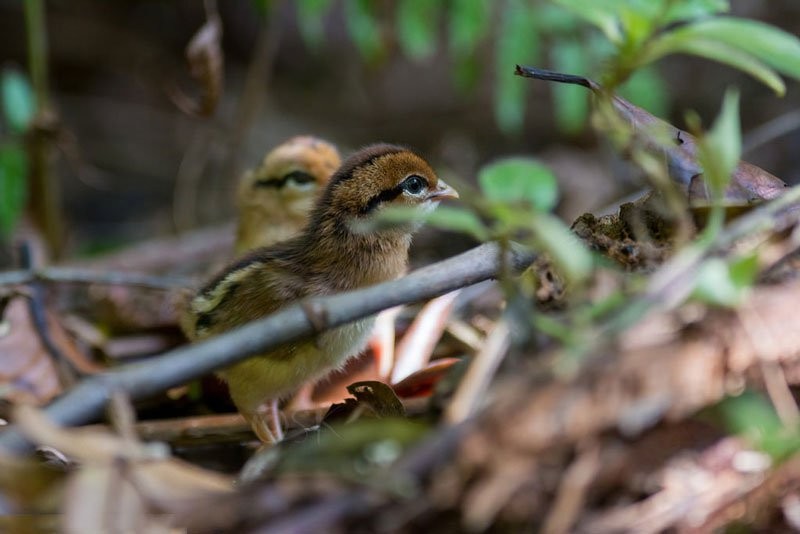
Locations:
column 274, row 199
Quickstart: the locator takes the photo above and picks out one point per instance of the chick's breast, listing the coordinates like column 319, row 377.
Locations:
column 280, row 372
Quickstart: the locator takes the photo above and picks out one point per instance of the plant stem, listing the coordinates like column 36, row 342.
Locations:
column 44, row 190
column 37, row 49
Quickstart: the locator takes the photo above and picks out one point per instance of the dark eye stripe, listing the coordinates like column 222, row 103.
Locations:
column 298, row 177
column 386, row 195
column 268, row 182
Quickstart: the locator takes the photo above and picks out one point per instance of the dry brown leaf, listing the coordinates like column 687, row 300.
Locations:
column 121, row 485
column 27, row 372
column 207, row 66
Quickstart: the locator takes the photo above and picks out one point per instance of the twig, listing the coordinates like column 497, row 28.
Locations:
column 187, row 181
column 762, row 341
column 479, row 375
column 572, row 491
column 88, row 276
column 321, row 516
column 176, row 367
column 771, row 130
column 38, row 312
column 255, row 87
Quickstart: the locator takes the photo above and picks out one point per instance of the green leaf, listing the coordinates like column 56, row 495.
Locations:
column 13, row 173
column 691, row 42
column 417, row 25
column 310, row 18
column 773, row 46
column 17, row 100
column 638, row 24
column 744, row 270
column 722, row 284
column 468, row 23
column 567, row 251
column 349, row 450
column 571, row 101
column 517, row 42
column 444, row 217
column 458, row 220
column 721, row 148
column 520, row 179
column 753, row 416
column 364, row 28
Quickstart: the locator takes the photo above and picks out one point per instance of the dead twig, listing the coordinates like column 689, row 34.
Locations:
column 480, row 374
column 72, row 275
column 67, row 373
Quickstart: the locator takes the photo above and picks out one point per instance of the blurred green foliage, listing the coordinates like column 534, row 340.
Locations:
column 576, row 35
column 753, row 416
column 13, row 169
column 722, row 283
column 17, row 100
column 18, row 108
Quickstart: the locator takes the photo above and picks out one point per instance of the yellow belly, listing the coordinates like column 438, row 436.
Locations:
column 280, row 372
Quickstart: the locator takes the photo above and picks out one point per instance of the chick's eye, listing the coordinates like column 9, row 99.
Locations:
column 299, row 177
column 414, row 184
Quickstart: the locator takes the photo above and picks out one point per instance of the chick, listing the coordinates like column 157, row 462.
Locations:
column 328, row 256
column 274, row 199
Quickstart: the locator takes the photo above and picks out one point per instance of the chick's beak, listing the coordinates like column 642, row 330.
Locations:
column 442, row 191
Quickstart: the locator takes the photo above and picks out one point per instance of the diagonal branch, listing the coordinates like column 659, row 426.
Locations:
column 87, row 400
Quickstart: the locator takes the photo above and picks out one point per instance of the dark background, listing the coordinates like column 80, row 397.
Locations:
column 125, row 142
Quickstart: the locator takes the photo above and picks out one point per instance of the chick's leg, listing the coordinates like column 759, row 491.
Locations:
column 266, row 422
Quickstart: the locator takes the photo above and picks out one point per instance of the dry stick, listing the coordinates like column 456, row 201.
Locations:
column 479, row 375
column 256, row 84
column 176, row 367
column 89, row 276
column 572, row 491
column 67, row 374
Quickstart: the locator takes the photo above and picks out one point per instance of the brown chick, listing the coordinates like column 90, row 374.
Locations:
column 275, row 199
column 328, row 256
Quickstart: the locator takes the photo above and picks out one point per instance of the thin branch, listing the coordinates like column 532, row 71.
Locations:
column 88, row 276
column 67, row 373
column 87, row 400
column 256, row 85
column 472, row 389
